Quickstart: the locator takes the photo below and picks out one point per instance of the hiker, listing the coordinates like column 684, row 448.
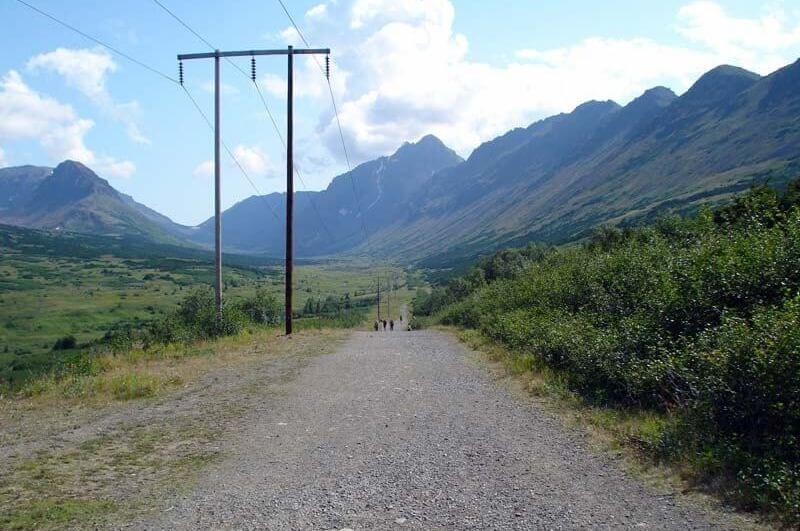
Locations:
column 384, row 325
column 375, row 324
column 391, row 325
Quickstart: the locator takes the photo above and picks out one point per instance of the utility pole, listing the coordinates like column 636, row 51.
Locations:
column 217, row 196
column 289, row 190
column 379, row 297
column 290, row 52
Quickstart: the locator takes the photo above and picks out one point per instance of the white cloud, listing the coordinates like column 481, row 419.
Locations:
column 290, row 35
column 208, row 86
column 83, row 69
column 67, row 141
column 114, row 168
column 3, row 162
column 708, row 23
column 308, row 80
column 408, row 73
column 87, row 71
column 318, row 11
column 274, row 84
column 27, row 114
column 254, row 160
column 204, row 170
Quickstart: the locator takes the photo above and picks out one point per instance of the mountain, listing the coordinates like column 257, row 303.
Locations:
column 553, row 181
column 18, row 184
column 71, row 197
column 329, row 222
column 602, row 163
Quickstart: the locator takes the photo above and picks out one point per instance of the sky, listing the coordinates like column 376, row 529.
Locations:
column 464, row 70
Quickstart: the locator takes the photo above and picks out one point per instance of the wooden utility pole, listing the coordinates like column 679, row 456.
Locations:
column 217, row 195
column 290, row 52
column 389, row 297
column 289, row 190
column 379, row 297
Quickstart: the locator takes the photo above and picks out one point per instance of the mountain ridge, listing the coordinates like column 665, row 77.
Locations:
column 384, row 186
column 71, row 197
column 552, row 181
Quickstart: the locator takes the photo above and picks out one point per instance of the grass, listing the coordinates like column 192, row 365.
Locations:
column 53, row 512
column 96, row 482
column 46, row 296
column 122, row 469
column 148, row 441
column 140, row 373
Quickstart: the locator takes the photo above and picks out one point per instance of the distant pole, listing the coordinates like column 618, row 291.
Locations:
column 389, row 297
column 289, row 189
column 217, row 194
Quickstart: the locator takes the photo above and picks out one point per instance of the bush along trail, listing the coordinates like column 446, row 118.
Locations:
column 695, row 320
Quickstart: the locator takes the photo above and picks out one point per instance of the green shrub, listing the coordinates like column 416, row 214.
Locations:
column 65, row 343
column 750, row 381
column 699, row 317
column 263, row 308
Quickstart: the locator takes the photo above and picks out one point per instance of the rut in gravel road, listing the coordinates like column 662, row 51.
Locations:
column 400, row 430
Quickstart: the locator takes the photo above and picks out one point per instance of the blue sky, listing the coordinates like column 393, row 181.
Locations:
column 465, row 70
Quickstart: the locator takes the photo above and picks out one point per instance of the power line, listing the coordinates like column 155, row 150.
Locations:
column 230, row 154
column 185, row 25
column 196, row 34
column 153, row 70
column 338, row 122
column 289, row 15
column 296, row 169
column 98, row 41
column 263, row 101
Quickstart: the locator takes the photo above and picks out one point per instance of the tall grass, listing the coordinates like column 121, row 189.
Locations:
column 697, row 317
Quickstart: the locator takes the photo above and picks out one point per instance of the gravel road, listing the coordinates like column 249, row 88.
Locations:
column 399, row 430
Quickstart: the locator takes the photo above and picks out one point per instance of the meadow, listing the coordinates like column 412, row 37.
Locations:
column 56, row 287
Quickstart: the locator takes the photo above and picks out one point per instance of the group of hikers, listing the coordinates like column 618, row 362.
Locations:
column 383, row 322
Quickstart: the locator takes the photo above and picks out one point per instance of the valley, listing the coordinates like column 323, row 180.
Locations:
column 614, row 258
column 369, row 264
column 55, row 286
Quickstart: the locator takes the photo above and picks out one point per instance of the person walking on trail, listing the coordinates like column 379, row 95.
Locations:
column 375, row 325
column 384, row 325
column 391, row 325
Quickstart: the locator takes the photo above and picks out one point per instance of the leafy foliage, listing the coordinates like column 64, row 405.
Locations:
column 697, row 316
column 65, row 343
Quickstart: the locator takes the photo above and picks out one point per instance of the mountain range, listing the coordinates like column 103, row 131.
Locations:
column 552, row 181
column 71, row 197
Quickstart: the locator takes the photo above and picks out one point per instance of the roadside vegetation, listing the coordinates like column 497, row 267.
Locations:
column 107, row 365
column 128, row 456
column 688, row 328
column 66, row 300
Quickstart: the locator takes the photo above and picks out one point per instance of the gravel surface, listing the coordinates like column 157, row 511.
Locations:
column 399, row 430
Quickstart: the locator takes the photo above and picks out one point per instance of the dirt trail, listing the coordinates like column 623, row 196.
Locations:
column 399, row 430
